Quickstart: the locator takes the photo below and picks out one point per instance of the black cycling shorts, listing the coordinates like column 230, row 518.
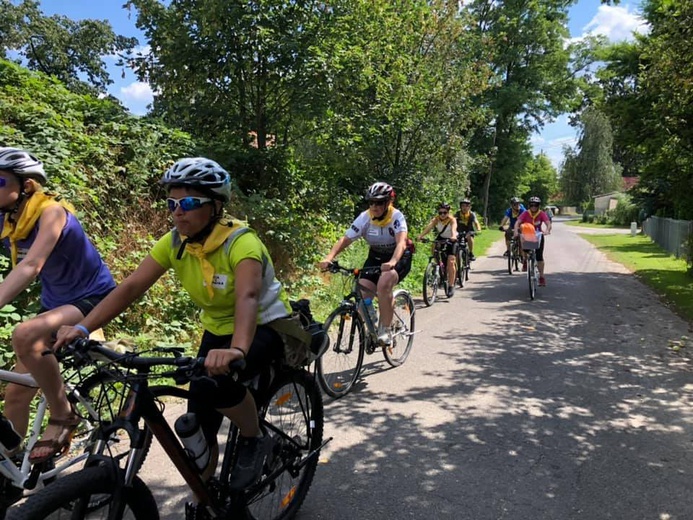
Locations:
column 450, row 248
column 402, row 267
column 206, row 397
column 85, row 306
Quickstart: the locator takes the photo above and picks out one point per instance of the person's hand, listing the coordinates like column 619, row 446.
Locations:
column 218, row 360
column 501, row 228
column 66, row 334
column 388, row 266
column 324, row 264
column 547, row 232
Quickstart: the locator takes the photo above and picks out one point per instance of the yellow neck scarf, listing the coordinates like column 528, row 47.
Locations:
column 534, row 215
column 444, row 221
column 387, row 218
column 30, row 215
column 222, row 230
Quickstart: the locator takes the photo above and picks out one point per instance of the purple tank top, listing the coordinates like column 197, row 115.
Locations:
column 73, row 271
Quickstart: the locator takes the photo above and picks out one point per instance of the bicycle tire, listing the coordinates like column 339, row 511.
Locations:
column 69, row 497
column 467, row 264
column 532, row 278
column 460, row 267
column 510, row 260
column 340, row 365
column 295, row 414
column 402, row 329
column 430, row 284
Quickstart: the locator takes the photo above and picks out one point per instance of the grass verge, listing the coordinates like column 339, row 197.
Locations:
column 653, row 265
column 580, row 223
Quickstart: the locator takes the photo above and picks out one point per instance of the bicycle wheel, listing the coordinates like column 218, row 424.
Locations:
column 71, row 497
column 430, row 284
column 467, row 264
column 294, row 418
column 402, row 329
column 339, row 367
column 510, row 260
column 531, row 275
column 460, row 267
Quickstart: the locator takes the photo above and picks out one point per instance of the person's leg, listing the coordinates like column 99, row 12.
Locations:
column 452, row 270
column 540, row 260
column 470, row 242
column 17, row 401
column 386, row 284
column 29, row 340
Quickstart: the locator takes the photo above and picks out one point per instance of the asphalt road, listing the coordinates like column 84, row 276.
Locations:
column 571, row 406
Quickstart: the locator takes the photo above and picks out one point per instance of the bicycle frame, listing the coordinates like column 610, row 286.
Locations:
column 355, row 298
column 24, row 476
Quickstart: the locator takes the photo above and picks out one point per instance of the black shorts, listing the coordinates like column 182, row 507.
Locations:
column 450, row 248
column 402, row 267
column 207, row 396
column 85, row 305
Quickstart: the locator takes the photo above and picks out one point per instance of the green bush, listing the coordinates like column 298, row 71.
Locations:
column 624, row 213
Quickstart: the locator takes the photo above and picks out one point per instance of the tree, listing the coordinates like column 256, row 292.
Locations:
column 532, row 82
column 70, row 50
column 591, row 171
column 539, row 179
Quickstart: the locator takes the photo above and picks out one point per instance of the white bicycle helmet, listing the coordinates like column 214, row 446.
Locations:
column 22, row 164
column 534, row 200
column 201, row 173
column 380, row 191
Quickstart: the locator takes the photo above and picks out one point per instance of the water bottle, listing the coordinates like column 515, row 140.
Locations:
column 9, row 438
column 370, row 308
column 188, row 429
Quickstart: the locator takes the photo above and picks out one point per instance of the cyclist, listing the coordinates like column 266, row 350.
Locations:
column 446, row 229
column 535, row 216
column 510, row 216
column 467, row 223
column 385, row 230
column 228, row 273
column 46, row 241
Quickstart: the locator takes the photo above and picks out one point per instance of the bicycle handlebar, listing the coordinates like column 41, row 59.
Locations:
column 334, row 267
column 84, row 350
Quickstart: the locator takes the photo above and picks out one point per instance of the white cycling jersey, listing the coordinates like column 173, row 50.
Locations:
column 381, row 239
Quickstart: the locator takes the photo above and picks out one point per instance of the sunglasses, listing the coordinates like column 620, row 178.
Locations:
column 534, row 205
column 187, row 203
column 442, row 213
column 3, row 182
column 376, row 202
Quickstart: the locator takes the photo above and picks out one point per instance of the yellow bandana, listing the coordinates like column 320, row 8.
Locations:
column 31, row 213
column 387, row 218
column 534, row 215
column 444, row 221
column 222, row 230
column 464, row 217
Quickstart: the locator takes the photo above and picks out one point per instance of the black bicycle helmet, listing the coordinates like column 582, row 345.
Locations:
column 444, row 205
column 465, row 201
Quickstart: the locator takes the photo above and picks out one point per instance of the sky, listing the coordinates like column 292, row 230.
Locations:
column 616, row 22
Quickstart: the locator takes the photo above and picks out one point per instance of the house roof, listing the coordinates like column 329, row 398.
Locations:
column 629, row 182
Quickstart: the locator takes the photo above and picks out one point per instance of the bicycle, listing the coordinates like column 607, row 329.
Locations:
column 92, row 393
column 531, row 247
column 290, row 410
column 436, row 272
column 514, row 255
column 463, row 259
column 353, row 333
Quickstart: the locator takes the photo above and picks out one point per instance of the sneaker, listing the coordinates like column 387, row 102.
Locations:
column 451, row 290
column 524, row 267
column 506, row 254
column 252, row 453
column 542, row 281
column 385, row 339
column 471, row 257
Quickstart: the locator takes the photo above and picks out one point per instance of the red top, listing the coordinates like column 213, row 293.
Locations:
column 536, row 219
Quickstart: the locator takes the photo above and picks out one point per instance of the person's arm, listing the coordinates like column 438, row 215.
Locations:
column 51, row 224
column 401, row 245
column 453, row 227
column 119, row 299
column 516, row 229
column 340, row 246
column 549, row 223
column 248, row 279
column 503, row 222
column 477, row 225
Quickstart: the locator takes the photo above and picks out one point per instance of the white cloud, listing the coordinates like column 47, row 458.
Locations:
column 616, row 23
column 136, row 91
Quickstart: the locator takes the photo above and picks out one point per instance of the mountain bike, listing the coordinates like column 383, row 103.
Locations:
column 514, row 254
column 93, row 392
column 463, row 259
column 436, row 272
column 531, row 246
column 353, row 333
column 290, row 411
